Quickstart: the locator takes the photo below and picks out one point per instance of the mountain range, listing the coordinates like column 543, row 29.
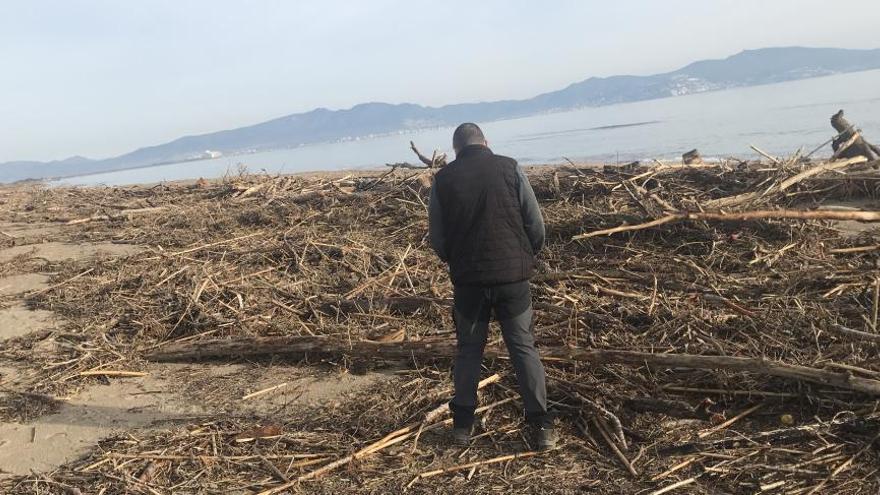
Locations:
column 747, row 68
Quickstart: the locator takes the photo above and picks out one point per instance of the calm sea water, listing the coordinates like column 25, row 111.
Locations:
column 778, row 118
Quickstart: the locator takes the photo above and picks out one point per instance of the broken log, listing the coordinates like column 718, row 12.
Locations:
column 437, row 160
column 859, row 216
column 299, row 345
column 849, row 142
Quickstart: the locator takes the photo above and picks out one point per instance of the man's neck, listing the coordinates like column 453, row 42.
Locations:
column 471, row 149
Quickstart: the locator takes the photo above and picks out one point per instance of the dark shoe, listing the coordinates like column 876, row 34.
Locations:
column 544, row 438
column 461, row 436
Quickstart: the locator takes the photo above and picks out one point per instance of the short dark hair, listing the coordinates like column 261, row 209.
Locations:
column 467, row 134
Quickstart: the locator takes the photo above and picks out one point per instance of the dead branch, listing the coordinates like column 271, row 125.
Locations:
column 436, row 160
column 859, row 216
column 855, row 334
column 296, row 345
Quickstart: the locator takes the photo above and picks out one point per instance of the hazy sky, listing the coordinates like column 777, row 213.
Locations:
column 100, row 78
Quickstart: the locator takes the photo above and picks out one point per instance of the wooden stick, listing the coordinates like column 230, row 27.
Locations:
column 663, row 168
column 820, row 169
column 765, row 155
column 297, row 345
column 627, row 228
column 859, row 249
column 771, row 486
column 614, row 448
column 673, row 486
column 169, row 457
column 710, row 431
column 274, row 469
column 112, row 373
column 859, row 216
column 494, row 460
column 264, row 391
column 687, row 462
column 876, row 303
column 855, row 369
column 721, row 391
column 213, row 244
column 855, row 334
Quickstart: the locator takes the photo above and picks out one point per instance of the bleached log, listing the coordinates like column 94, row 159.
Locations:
column 299, row 345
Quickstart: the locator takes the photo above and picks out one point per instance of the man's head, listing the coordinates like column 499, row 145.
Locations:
column 466, row 135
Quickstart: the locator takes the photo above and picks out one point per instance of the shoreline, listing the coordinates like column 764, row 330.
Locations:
column 419, row 130
column 369, row 171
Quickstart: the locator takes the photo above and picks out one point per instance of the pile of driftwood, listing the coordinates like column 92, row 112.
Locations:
column 707, row 328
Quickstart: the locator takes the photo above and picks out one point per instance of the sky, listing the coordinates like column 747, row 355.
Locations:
column 103, row 77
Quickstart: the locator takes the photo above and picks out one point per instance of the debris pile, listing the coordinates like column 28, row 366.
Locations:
column 693, row 345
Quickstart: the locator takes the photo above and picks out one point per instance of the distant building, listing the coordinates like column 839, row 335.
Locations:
column 211, row 154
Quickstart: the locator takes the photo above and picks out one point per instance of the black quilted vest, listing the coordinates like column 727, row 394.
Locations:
column 486, row 242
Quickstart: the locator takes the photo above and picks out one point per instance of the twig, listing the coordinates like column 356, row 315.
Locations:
column 129, row 374
column 494, row 460
column 673, row 486
column 274, row 469
column 765, row 155
column 617, row 452
column 706, row 433
column 264, row 391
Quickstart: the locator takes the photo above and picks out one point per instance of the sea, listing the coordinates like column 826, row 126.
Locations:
column 776, row 118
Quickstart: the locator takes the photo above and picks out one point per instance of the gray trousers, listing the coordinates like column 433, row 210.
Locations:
column 511, row 304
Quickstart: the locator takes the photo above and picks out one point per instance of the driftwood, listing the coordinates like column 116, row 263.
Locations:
column 765, row 155
column 120, row 215
column 859, row 216
column 849, row 142
column 665, row 168
column 296, row 345
column 437, row 160
column 855, row 334
column 784, row 185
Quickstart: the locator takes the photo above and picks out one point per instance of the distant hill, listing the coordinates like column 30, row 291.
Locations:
column 747, row 68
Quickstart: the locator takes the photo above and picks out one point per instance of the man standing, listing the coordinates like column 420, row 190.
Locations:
column 484, row 221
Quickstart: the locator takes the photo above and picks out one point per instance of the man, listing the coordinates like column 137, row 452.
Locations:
column 484, row 221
